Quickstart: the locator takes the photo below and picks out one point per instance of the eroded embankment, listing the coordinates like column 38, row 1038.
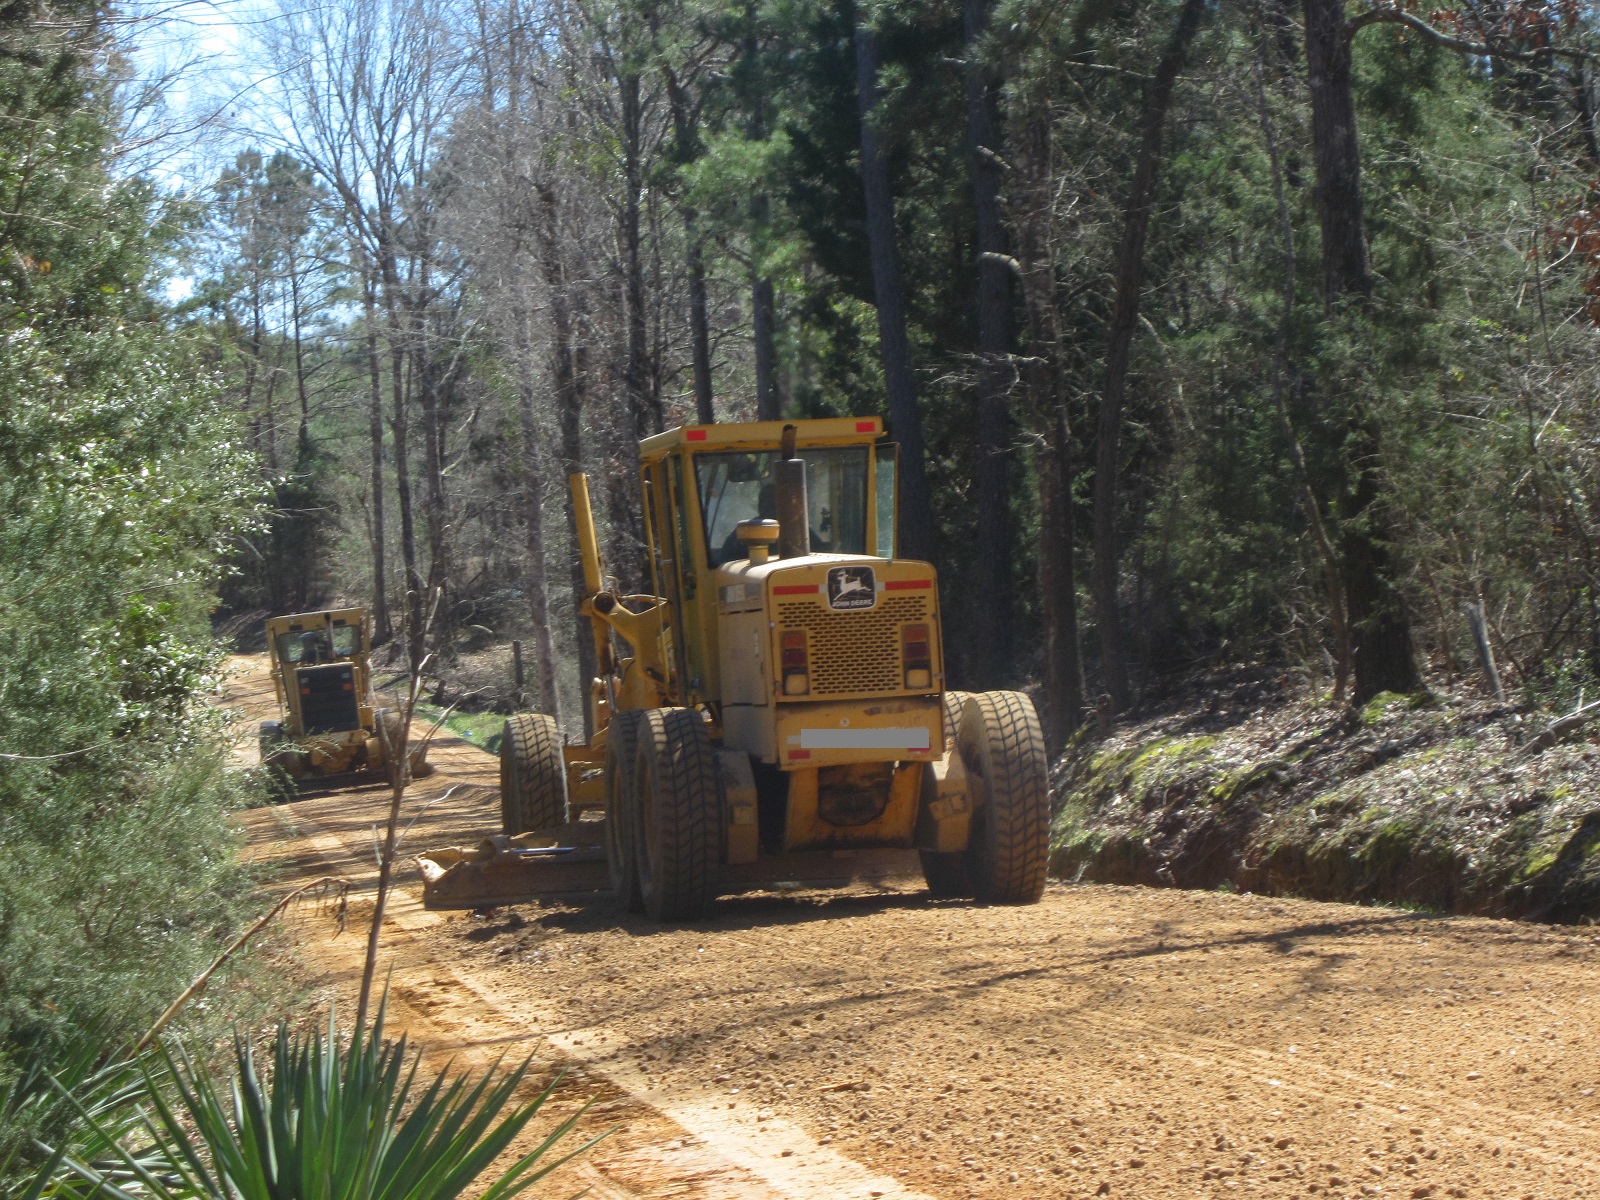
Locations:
column 1457, row 806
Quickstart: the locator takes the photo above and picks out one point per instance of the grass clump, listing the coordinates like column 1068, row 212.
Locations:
column 481, row 729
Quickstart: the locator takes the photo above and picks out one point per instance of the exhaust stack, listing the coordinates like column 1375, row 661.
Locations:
column 789, row 495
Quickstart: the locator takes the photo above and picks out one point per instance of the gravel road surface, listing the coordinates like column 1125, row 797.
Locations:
column 872, row 1042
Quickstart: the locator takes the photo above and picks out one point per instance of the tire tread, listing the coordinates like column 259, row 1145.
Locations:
column 687, row 791
column 1001, row 730
column 533, row 774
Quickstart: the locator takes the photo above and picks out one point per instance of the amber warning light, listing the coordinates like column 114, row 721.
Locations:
column 917, row 657
column 796, row 668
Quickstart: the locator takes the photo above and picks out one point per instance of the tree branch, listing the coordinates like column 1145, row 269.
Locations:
column 342, row 887
column 1385, row 15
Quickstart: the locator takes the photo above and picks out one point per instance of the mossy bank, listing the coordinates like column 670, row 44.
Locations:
column 1444, row 804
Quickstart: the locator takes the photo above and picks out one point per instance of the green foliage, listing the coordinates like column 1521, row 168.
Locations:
column 122, row 487
column 122, row 483
column 481, row 729
column 77, row 1097
column 332, row 1119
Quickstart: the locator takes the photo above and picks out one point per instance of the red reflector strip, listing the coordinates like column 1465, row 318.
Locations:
column 796, row 589
column 907, row 585
column 799, row 754
column 866, row 426
column 694, row 435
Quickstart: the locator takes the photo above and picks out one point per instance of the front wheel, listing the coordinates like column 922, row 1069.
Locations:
column 1002, row 748
column 267, row 739
column 679, row 811
column 533, row 775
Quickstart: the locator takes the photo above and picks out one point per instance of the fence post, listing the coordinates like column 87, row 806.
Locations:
column 1480, row 638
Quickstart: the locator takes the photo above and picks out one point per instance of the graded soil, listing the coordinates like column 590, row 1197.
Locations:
column 1110, row 1041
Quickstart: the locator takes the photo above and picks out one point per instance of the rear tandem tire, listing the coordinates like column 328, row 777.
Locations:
column 281, row 761
column 533, row 775
column 622, row 808
column 679, row 811
column 1002, row 745
column 946, row 872
column 268, row 737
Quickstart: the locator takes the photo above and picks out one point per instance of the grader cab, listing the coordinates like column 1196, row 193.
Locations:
column 330, row 723
column 775, row 709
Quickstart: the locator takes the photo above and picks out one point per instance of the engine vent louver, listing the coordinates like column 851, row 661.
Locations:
column 328, row 698
column 854, row 651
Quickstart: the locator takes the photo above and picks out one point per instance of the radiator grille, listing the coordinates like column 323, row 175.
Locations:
column 852, row 652
column 328, row 698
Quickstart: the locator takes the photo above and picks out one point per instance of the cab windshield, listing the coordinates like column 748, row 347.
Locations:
column 312, row 645
column 737, row 486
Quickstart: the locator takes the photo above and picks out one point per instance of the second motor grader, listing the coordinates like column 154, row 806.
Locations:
column 329, row 723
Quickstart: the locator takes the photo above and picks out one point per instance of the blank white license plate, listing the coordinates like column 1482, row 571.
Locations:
column 864, row 739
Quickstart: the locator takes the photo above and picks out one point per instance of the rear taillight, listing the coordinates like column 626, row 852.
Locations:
column 794, row 663
column 916, row 656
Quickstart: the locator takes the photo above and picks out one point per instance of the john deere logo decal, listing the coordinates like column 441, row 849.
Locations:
column 852, row 587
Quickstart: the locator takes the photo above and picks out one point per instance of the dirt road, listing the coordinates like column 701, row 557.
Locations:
column 1108, row 1042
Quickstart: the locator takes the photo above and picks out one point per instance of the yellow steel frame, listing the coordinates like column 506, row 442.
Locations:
column 690, row 587
column 673, row 633
column 326, row 620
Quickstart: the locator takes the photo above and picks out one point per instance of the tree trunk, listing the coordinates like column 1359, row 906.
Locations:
column 993, row 560
column 916, row 513
column 1047, row 405
column 685, row 150
column 1337, row 157
column 569, row 409
column 303, row 433
column 382, row 625
column 544, row 651
column 762, row 308
column 425, row 376
column 623, row 543
column 1281, row 370
column 400, row 430
column 1058, row 581
column 1381, row 652
column 1119, row 349
column 699, row 325
column 1382, row 657
column 645, row 410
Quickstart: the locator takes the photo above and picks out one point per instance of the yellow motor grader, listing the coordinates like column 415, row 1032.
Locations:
column 330, row 723
column 775, row 710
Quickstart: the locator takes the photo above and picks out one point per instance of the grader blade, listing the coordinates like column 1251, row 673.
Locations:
column 567, row 861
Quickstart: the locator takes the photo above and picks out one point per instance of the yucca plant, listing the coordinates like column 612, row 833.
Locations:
column 44, row 1101
column 330, row 1121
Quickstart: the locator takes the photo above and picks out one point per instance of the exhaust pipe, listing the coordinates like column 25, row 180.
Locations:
column 789, row 496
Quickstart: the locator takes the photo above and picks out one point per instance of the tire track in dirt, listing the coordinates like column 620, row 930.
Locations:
column 1109, row 1042
column 456, row 1013
column 669, row 1142
column 1276, row 1071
